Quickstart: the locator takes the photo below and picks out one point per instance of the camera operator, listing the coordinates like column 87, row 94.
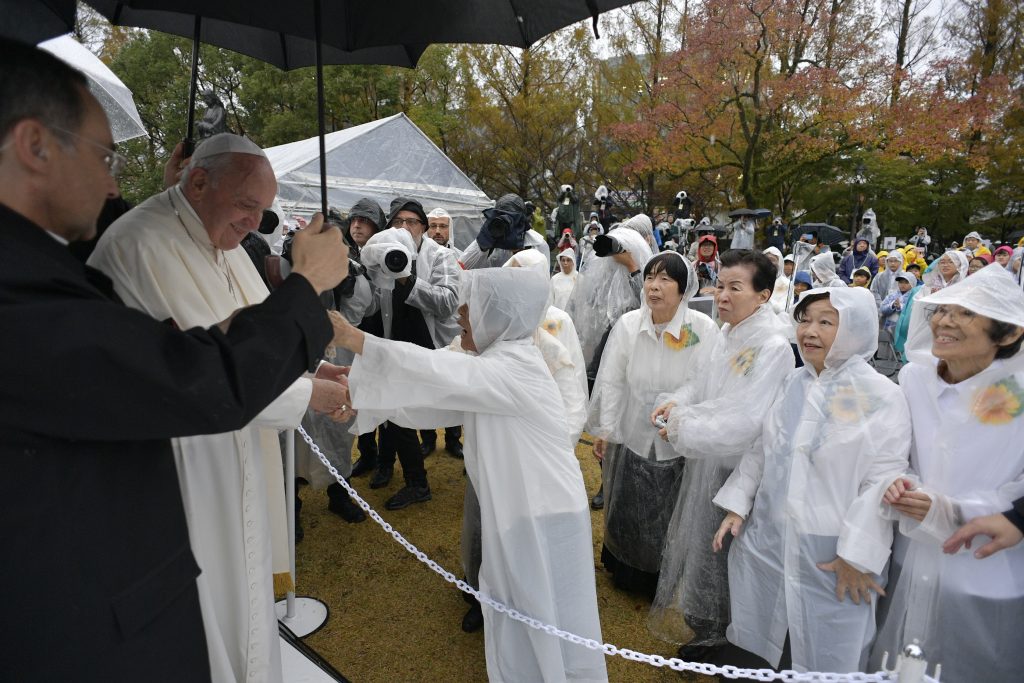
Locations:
column 420, row 309
column 506, row 230
column 567, row 214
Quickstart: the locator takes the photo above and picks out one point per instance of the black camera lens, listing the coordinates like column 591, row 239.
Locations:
column 499, row 226
column 396, row 261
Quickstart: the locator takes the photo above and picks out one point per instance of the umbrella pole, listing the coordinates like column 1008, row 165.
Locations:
column 320, row 107
column 189, row 145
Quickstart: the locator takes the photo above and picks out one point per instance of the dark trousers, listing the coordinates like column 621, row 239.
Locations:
column 406, row 443
column 451, row 435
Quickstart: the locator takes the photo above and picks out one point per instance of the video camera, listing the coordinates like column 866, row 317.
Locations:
column 505, row 225
column 607, row 245
column 388, row 256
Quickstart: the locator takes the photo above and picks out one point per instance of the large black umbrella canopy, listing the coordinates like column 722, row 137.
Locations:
column 277, row 46
column 829, row 234
column 274, row 46
column 33, row 21
column 358, row 24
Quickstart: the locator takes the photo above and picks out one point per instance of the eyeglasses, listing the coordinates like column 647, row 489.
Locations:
column 402, row 222
column 115, row 162
column 956, row 315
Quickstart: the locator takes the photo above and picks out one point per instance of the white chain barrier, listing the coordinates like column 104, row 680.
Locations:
column 611, row 650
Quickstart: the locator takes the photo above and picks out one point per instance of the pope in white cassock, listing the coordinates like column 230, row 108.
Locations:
column 175, row 257
column 537, row 547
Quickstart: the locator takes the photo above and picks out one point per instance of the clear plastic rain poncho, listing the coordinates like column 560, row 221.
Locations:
column 715, row 420
column 884, row 283
column 561, row 283
column 968, row 456
column 823, row 271
column 781, row 293
column 536, row 527
column 641, row 472
column 933, row 278
column 565, row 357
column 832, row 443
column 604, row 292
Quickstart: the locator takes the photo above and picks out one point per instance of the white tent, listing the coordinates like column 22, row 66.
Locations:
column 381, row 160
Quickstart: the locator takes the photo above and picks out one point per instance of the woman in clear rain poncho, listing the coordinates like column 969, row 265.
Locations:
column 884, row 283
column 810, row 493
column 537, row 548
column 556, row 339
column 610, row 286
column 563, row 282
column 949, row 269
column 656, row 349
column 781, row 290
column 712, row 422
column 823, row 271
column 965, row 386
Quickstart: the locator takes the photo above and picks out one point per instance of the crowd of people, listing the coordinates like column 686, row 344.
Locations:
column 779, row 501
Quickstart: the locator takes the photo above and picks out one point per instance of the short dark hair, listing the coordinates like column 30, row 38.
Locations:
column 670, row 264
column 998, row 331
column 763, row 270
column 36, row 85
column 801, row 308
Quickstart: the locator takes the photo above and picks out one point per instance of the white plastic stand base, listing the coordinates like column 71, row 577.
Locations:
column 310, row 615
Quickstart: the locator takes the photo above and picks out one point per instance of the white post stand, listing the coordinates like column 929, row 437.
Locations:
column 303, row 615
column 911, row 666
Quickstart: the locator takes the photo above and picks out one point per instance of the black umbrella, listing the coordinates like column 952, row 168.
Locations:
column 281, row 49
column 358, row 25
column 33, row 21
column 740, row 213
column 829, row 234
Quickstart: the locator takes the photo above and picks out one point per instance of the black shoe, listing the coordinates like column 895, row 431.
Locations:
column 363, row 466
column 697, row 653
column 428, row 447
column 407, row 496
column 474, row 619
column 381, row 477
column 340, row 504
column 455, row 450
column 597, row 502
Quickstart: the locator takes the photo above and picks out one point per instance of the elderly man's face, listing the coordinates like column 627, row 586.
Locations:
column 81, row 182
column 438, row 229
column 408, row 220
column 230, row 202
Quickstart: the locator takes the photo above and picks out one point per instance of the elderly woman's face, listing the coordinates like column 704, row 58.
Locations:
column 816, row 332
column 960, row 334
column 946, row 267
column 467, row 330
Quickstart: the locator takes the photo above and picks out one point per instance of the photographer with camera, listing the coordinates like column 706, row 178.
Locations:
column 505, row 231
column 567, row 213
column 416, row 288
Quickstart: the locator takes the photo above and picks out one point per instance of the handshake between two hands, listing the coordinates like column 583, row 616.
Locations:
column 330, row 393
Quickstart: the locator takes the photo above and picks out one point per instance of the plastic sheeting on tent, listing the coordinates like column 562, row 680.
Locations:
column 381, row 160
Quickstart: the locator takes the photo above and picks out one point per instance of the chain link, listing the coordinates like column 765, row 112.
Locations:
column 589, row 643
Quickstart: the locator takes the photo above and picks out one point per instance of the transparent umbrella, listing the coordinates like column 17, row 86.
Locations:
column 113, row 95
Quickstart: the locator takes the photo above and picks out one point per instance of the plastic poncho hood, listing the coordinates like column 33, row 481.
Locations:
column 988, row 292
column 568, row 254
column 505, row 304
column 823, row 269
column 858, row 325
column 934, row 279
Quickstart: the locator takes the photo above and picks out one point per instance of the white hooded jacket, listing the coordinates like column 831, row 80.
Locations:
column 832, row 443
column 535, row 519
